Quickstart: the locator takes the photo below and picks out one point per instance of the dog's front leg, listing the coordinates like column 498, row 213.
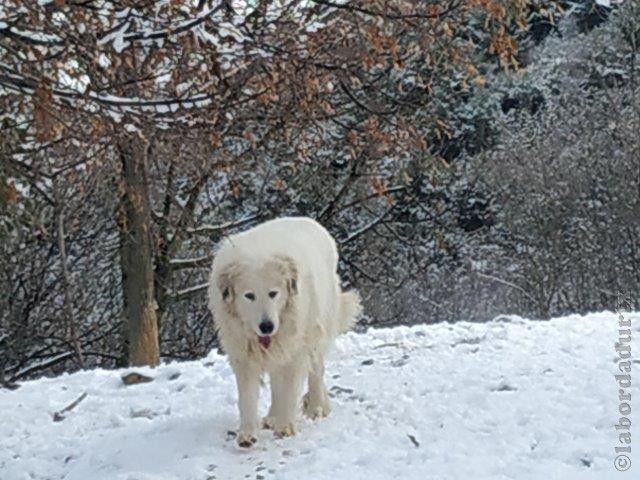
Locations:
column 286, row 387
column 248, row 382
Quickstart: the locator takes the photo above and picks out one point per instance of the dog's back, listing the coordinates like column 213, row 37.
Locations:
column 302, row 238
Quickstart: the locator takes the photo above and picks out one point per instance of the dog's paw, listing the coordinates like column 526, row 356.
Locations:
column 246, row 440
column 268, row 422
column 315, row 408
column 316, row 413
column 284, row 430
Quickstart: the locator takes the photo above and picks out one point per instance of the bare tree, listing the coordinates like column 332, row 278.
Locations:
column 175, row 122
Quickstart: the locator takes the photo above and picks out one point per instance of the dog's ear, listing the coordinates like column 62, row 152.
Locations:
column 290, row 271
column 226, row 281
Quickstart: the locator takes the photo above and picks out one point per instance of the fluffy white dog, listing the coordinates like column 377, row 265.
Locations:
column 276, row 300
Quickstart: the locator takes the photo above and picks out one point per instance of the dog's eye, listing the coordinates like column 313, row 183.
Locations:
column 273, row 293
column 250, row 296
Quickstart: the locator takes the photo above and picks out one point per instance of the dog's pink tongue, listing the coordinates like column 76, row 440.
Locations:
column 265, row 341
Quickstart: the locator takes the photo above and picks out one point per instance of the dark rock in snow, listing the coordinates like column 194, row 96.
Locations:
column 134, row 378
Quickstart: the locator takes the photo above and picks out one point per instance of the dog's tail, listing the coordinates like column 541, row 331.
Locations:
column 350, row 309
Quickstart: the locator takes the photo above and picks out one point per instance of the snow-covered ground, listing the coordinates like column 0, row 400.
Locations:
column 509, row 399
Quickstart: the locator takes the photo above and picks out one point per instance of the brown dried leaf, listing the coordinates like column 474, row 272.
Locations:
column 215, row 139
column 378, row 186
column 43, row 120
column 9, row 193
column 235, row 188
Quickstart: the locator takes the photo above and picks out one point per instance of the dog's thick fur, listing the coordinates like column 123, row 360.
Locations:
column 294, row 260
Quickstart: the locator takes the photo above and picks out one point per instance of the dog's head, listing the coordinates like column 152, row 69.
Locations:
column 258, row 294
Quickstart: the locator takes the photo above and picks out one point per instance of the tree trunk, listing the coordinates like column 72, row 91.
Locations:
column 72, row 331
column 141, row 344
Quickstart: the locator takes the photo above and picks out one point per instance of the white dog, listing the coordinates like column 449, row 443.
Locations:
column 277, row 304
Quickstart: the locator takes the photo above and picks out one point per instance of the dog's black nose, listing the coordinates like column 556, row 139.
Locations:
column 266, row 327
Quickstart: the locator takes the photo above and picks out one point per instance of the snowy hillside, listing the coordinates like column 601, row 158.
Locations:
column 506, row 399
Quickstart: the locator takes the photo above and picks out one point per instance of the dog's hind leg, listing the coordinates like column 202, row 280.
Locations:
column 315, row 403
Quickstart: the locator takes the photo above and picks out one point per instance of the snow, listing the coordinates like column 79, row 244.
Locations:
column 104, row 61
column 192, row 289
column 44, row 363
column 224, row 226
column 189, row 261
column 117, row 37
column 507, row 399
column 37, row 36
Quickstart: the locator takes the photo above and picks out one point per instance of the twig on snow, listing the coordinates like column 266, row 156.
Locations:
column 59, row 416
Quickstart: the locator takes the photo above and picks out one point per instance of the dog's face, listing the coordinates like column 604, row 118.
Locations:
column 259, row 293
